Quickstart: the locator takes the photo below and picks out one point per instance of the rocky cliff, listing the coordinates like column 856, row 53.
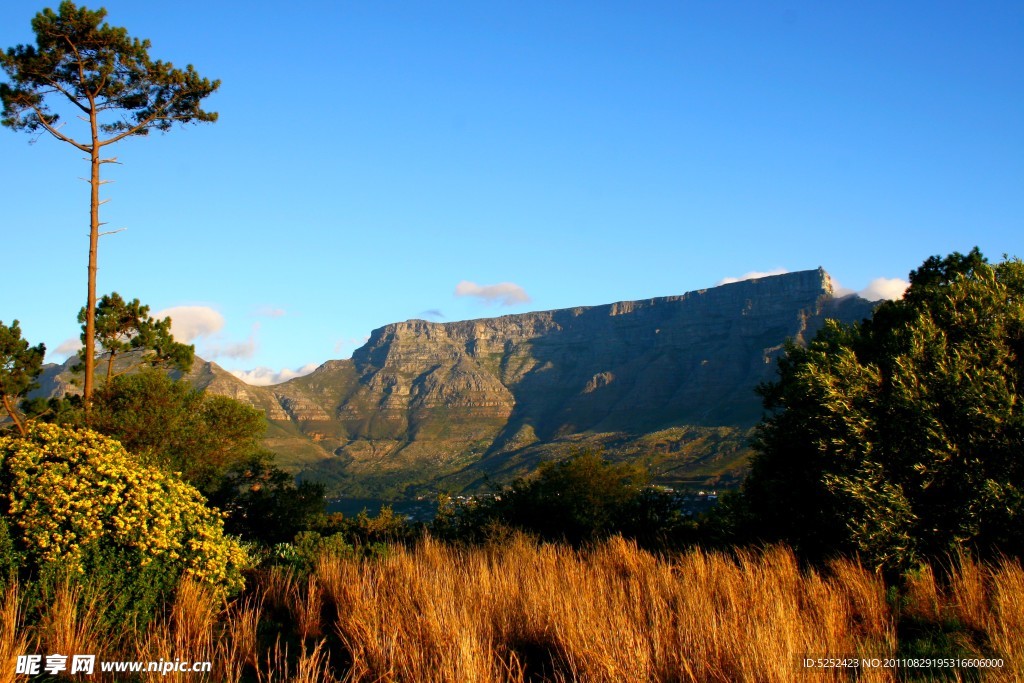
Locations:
column 423, row 405
column 422, row 402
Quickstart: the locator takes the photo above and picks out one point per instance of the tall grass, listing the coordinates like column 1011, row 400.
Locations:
column 527, row 611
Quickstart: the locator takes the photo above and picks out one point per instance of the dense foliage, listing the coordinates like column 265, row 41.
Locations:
column 901, row 438
column 69, row 494
column 212, row 442
column 168, row 423
column 20, row 364
column 125, row 326
column 264, row 503
column 579, row 500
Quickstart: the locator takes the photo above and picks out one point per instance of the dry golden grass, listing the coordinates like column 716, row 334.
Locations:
column 1007, row 633
column 527, row 611
column 13, row 635
column 74, row 623
column 616, row 613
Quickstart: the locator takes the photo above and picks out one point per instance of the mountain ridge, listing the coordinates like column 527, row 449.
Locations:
column 425, row 405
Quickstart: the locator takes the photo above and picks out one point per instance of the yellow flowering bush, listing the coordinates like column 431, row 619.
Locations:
column 65, row 490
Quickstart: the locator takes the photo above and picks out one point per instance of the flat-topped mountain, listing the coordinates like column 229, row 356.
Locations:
column 424, row 405
column 424, row 402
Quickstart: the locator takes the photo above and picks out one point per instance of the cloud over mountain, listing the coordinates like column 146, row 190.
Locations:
column 263, row 376
column 752, row 275
column 884, row 288
column 68, row 347
column 191, row 322
column 877, row 289
column 503, row 293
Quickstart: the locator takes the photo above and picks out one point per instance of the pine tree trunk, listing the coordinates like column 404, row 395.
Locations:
column 94, row 238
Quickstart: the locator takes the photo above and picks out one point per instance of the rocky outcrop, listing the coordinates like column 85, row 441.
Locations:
column 462, row 394
column 422, row 401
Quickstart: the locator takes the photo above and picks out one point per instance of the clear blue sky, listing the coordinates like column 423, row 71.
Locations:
column 371, row 156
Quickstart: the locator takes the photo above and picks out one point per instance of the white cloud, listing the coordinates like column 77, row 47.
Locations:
column 263, row 376
column 877, row 289
column 217, row 348
column 236, row 350
column 838, row 291
column 190, row 322
column 503, row 293
column 884, row 288
column 270, row 312
column 752, row 275
column 68, row 347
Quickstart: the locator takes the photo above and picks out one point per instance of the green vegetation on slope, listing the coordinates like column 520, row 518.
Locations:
column 900, row 438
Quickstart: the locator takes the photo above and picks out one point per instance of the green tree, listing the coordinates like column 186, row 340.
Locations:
column 109, row 79
column 121, row 327
column 580, row 499
column 167, row 423
column 900, row 438
column 20, row 365
column 263, row 503
column 212, row 442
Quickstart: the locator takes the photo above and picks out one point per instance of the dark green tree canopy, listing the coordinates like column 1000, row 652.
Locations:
column 122, row 327
column 20, row 365
column 96, row 67
column 167, row 423
column 902, row 438
column 579, row 500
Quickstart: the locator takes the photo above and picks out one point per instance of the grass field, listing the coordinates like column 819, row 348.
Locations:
column 523, row 611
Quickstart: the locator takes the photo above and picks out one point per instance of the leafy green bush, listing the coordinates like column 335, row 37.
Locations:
column 262, row 503
column 169, row 424
column 578, row 500
column 365, row 530
column 71, row 496
column 900, row 438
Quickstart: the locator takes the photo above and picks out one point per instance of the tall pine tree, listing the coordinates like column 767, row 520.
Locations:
column 117, row 89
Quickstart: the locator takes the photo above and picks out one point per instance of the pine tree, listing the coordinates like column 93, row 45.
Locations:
column 110, row 79
column 20, row 364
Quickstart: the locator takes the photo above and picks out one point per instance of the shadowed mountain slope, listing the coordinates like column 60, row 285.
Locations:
column 425, row 405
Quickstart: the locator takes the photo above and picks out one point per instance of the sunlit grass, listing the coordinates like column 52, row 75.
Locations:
column 527, row 611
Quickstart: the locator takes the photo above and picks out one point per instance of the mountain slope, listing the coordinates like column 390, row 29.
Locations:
column 422, row 405
column 422, row 402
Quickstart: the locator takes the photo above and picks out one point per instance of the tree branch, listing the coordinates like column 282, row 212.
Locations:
column 65, row 93
column 143, row 124
column 81, row 67
column 13, row 412
column 57, row 134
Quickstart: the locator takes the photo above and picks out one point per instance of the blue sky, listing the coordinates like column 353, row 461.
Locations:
column 372, row 156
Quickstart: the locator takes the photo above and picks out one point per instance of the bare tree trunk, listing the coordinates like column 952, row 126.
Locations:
column 14, row 415
column 110, row 369
column 94, row 238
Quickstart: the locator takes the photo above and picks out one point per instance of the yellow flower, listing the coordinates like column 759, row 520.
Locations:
column 72, row 487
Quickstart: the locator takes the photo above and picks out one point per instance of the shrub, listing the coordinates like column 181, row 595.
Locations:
column 579, row 500
column 262, row 503
column 69, row 495
column 168, row 423
column 900, row 438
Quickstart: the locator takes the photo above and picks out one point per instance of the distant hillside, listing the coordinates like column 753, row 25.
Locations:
column 426, row 405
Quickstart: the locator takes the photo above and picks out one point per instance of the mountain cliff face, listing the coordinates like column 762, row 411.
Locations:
column 424, row 402
column 422, row 405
